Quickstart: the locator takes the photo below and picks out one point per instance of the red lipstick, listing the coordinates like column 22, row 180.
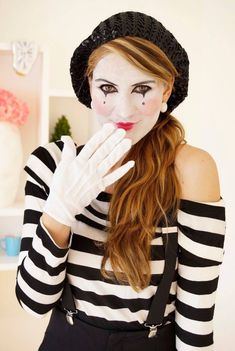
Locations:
column 125, row 125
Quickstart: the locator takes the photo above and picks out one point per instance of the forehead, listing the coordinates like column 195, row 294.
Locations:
column 117, row 69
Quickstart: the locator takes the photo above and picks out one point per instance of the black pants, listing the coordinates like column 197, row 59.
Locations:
column 61, row 336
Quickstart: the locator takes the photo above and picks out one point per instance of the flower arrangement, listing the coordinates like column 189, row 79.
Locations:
column 12, row 109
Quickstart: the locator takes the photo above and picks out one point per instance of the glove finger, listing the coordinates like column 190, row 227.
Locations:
column 89, row 180
column 69, row 149
column 118, row 173
column 107, row 147
column 114, row 156
column 95, row 141
column 92, row 193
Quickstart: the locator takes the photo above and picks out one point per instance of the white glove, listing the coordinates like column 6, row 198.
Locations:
column 79, row 179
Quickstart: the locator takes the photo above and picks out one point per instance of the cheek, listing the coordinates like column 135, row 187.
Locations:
column 151, row 107
column 100, row 108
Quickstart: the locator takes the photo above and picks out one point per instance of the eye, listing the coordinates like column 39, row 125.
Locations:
column 108, row 89
column 142, row 89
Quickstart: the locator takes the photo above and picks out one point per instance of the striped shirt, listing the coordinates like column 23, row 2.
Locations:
column 200, row 228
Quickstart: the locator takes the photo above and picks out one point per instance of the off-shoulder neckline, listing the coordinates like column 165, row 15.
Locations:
column 105, row 196
column 215, row 203
column 219, row 202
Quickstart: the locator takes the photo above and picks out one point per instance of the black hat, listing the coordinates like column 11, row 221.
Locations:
column 130, row 24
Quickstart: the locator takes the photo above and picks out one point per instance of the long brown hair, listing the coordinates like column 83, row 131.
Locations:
column 148, row 195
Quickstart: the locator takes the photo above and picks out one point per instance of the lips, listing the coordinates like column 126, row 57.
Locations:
column 125, row 125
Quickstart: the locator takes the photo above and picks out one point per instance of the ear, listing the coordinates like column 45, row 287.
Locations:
column 167, row 91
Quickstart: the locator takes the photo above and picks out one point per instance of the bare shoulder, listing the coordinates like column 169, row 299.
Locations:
column 197, row 173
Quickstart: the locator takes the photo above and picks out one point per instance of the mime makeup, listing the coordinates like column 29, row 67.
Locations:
column 125, row 96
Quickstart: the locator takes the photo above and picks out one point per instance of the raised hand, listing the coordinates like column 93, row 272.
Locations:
column 79, row 179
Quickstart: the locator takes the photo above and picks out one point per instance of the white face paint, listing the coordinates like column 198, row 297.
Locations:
column 118, row 91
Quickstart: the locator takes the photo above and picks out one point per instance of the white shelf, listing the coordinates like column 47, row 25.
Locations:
column 8, row 263
column 16, row 209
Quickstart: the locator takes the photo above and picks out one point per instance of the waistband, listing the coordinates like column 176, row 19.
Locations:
column 77, row 319
column 62, row 336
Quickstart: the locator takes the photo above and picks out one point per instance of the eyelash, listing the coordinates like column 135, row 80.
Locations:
column 146, row 89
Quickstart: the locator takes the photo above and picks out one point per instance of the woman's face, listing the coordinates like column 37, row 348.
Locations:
column 126, row 96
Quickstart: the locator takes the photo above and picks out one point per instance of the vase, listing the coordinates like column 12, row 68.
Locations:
column 11, row 158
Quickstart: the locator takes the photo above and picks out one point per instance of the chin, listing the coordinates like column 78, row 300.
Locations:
column 136, row 138
column 133, row 139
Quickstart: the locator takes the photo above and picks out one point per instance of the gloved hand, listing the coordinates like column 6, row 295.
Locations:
column 79, row 179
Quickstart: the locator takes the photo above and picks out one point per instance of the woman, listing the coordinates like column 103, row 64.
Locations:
column 131, row 226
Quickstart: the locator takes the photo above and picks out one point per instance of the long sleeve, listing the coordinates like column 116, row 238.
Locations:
column 201, row 230
column 42, row 264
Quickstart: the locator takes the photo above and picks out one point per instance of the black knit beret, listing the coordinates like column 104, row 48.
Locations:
column 130, row 24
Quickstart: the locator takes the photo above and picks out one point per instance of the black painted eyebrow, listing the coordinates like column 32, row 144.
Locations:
column 144, row 82
column 105, row 80
column 133, row 85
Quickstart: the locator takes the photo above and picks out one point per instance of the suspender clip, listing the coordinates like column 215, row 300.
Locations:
column 153, row 329
column 69, row 316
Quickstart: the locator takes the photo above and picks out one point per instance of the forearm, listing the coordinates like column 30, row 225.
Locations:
column 41, row 271
column 201, row 230
column 43, row 259
column 60, row 233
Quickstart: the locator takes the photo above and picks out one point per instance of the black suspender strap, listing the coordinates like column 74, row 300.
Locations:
column 156, row 313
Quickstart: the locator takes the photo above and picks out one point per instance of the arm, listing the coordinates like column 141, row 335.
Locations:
column 42, row 262
column 201, row 229
column 58, row 231
column 61, row 184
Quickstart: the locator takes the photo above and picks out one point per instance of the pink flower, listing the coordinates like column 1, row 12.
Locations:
column 12, row 109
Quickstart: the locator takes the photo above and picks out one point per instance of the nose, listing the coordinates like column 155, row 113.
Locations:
column 125, row 107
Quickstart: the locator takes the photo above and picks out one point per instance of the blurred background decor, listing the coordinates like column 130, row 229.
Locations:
column 24, row 55
column 13, row 114
column 62, row 127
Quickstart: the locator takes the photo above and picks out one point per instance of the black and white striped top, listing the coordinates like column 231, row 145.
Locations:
column 200, row 228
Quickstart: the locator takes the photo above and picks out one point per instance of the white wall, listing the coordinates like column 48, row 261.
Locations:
column 206, row 29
